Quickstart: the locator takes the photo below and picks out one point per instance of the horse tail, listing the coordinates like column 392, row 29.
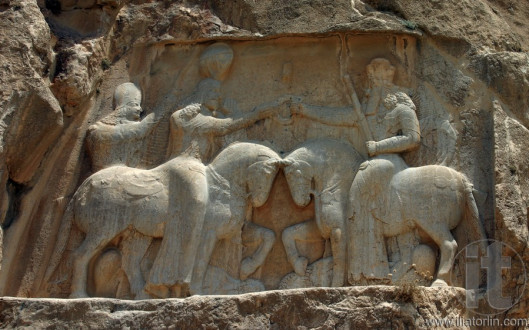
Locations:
column 62, row 239
column 472, row 216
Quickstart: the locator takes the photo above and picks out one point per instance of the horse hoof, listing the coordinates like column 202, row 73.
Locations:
column 300, row 265
column 337, row 282
column 438, row 283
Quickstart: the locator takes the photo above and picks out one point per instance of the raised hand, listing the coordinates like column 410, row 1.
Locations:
column 371, row 148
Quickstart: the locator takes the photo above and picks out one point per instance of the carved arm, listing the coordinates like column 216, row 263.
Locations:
column 410, row 138
column 327, row 115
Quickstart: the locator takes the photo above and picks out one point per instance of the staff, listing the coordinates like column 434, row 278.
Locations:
column 351, row 93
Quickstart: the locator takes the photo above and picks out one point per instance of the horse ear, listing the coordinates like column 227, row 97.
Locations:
column 303, row 166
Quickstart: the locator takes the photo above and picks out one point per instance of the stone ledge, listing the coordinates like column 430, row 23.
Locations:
column 352, row 307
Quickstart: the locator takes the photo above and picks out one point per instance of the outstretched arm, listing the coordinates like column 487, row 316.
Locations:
column 228, row 125
column 327, row 115
column 124, row 132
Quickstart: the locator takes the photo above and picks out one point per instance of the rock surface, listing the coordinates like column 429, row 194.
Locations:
column 345, row 308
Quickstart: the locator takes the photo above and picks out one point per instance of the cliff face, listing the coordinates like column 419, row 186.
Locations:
column 464, row 63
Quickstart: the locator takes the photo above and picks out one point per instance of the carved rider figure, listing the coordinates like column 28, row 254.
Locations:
column 114, row 139
column 396, row 133
column 196, row 130
column 394, row 127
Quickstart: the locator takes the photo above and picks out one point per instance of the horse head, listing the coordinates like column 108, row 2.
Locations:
column 299, row 178
column 260, row 177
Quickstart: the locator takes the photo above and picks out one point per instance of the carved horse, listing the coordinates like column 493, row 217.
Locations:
column 240, row 187
column 433, row 198
column 324, row 168
column 170, row 201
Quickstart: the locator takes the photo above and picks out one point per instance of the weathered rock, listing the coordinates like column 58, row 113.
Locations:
column 472, row 21
column 507, row 73
column 344, row 308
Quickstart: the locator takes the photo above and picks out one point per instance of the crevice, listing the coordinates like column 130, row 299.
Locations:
column 15, row 193
column 61, row 61
column 54, row 6
column 385, row 6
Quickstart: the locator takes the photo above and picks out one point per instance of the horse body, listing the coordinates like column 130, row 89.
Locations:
column 118, row 198
column 325, row 168
column 430, row 189
column 236, row 190
column 170, row 201
column 433, row 198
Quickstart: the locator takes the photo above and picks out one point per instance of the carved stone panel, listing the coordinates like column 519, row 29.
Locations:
column 227, row 167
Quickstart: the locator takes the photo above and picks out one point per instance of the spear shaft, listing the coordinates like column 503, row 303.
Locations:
column 351, row 93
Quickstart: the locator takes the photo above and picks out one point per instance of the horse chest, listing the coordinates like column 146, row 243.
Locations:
column 224, row 208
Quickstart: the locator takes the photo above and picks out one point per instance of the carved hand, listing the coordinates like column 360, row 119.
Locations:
column 150, row 119
column 271, row 110
column 296, row 108
column 371, row 148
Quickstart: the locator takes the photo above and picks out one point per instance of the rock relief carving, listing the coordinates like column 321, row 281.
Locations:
column 196, row 129
column 370, row 213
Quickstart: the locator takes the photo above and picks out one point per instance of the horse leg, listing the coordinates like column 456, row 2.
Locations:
column 338, row 247
column 136, row 246
column 175, row 260
column 306, row 231
column 91, row 245
column 265, row 238
column 205, row 251
column 448, row 247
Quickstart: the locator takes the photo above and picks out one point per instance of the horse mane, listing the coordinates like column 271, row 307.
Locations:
column 321, row 153
column 323, row 148
column 243, row 145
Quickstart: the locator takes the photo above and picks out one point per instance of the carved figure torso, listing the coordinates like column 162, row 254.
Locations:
column 195, row 132
column 110, row 145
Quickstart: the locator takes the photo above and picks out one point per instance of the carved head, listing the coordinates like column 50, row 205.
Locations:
column 209, row 94
column 380, row 72
column 299, row 178
column 392, row 100
column 403, row 98
column 127, row 98
column 261, row 176
column 215, row 61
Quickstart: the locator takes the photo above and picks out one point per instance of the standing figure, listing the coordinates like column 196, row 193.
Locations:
column 195, row 129
column 195, row 132
column 115, row 139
